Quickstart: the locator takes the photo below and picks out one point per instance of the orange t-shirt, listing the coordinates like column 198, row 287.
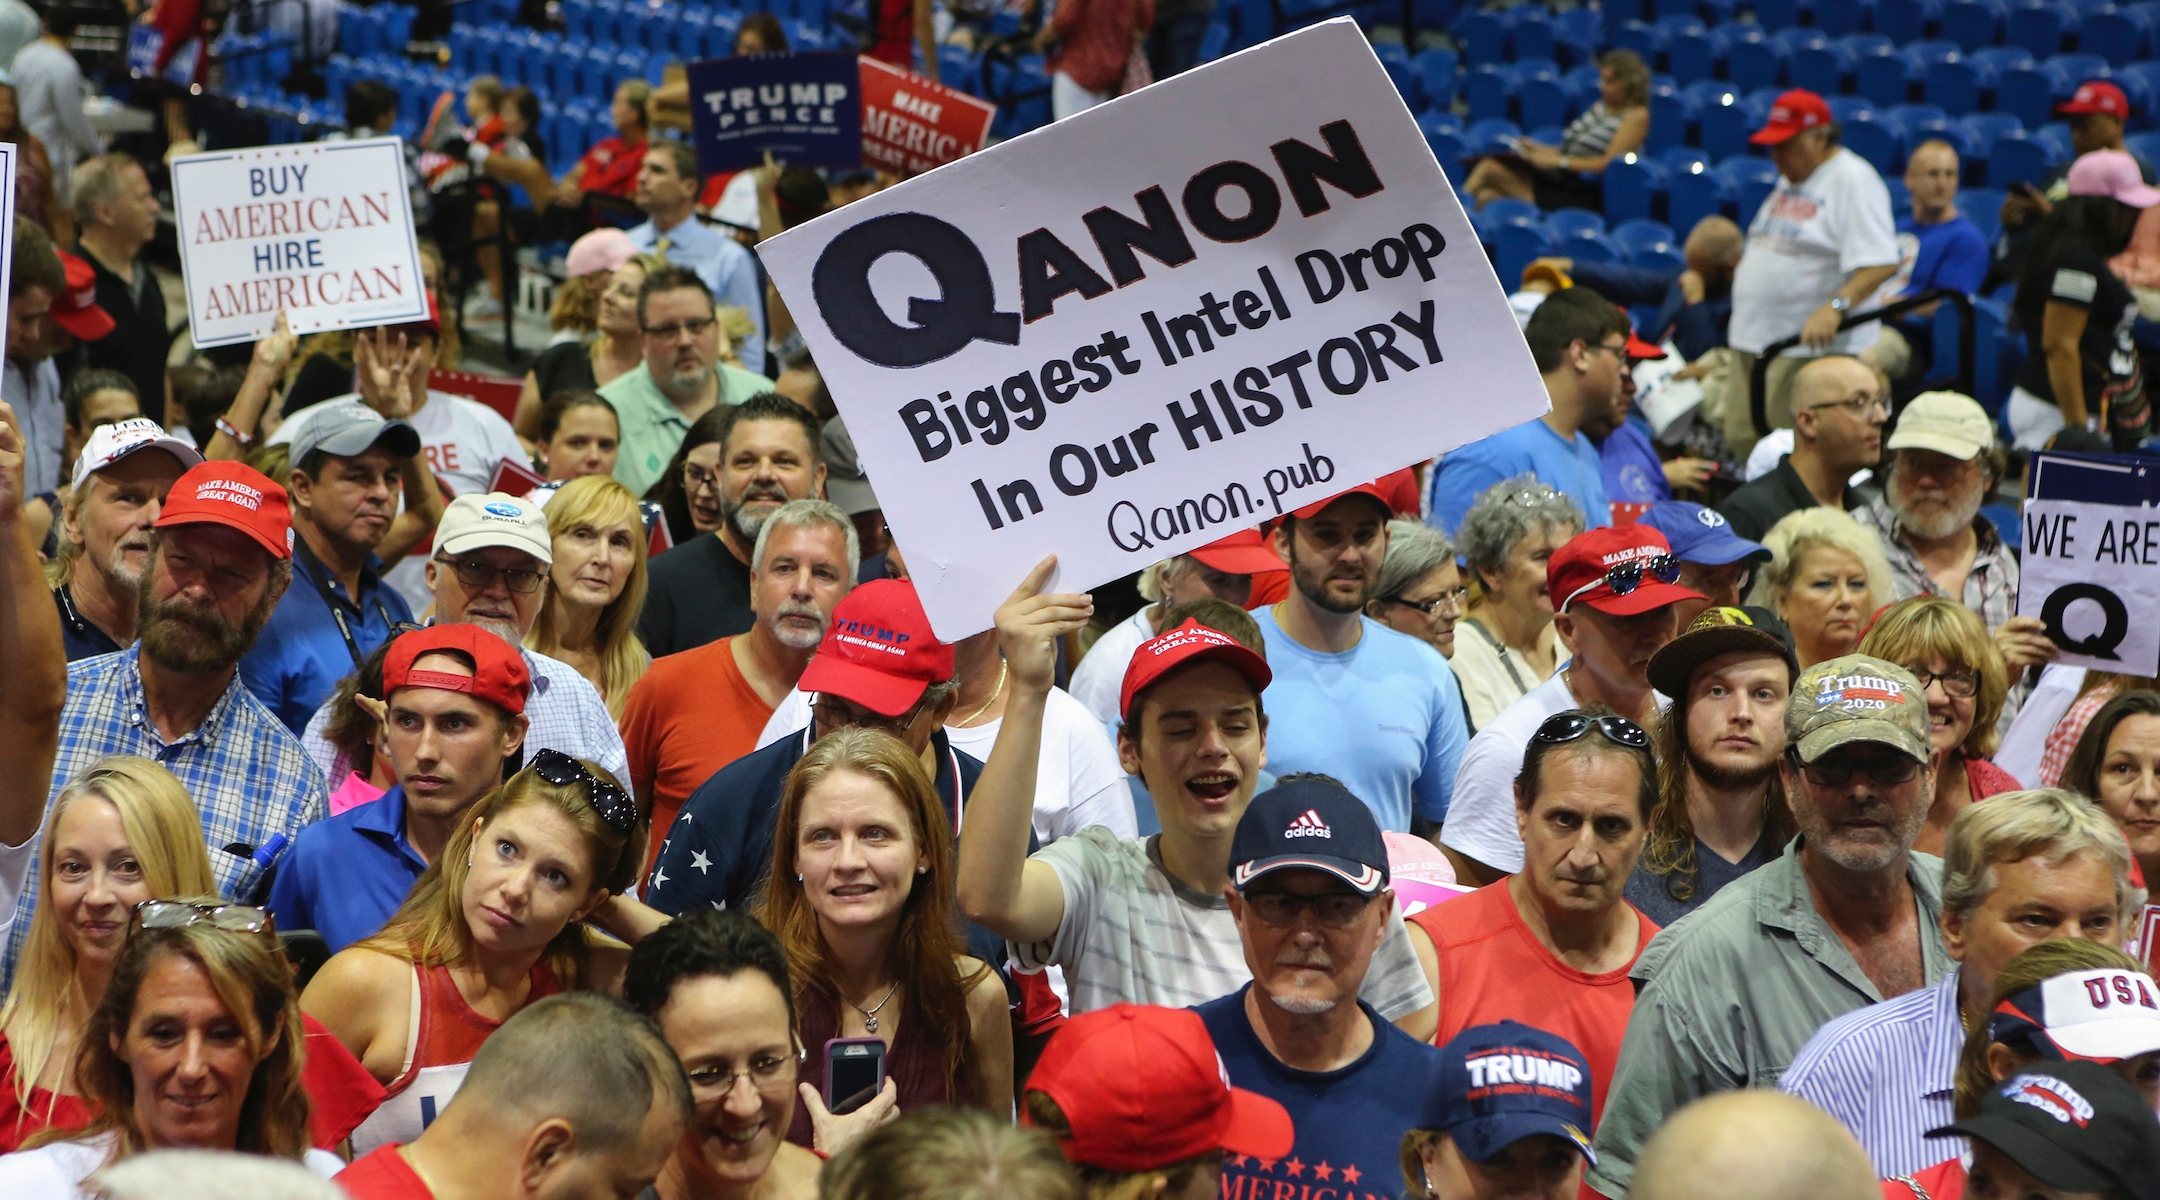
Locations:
column 690, row 715
column 1492, row 968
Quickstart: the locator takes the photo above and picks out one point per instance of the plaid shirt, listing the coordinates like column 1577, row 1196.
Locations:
column 1991, row 586
column 248, row 775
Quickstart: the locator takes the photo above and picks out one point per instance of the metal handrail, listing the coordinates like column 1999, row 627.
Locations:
column 1758, row 381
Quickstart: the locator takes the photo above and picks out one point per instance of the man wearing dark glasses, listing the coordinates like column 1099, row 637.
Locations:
column 1848, row 916
column 454, row 698
column 1613, row 594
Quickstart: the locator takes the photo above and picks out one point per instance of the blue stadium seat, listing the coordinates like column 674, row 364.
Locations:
column 1691, row 56
column 1530, row 35
column 1440, row 69
column 1698, row 193
column 1567, row 222
column 1548, row 135
column 1635, row 188
column 1640, row 235
column 1908, row 21
column 1755, row 62
column 2056, row 135
column 1783, row 14
column 2004, row 59
column 1840, row 17
column 1900, row 196
column 1958, row 84
column 1449, row 147
column 1488, row 89
column 1754, row 177
column 1673, row 117
column 2081, row 67
column 1434, row 15
column 1491, row 136
column 2144, row 145
column 1644, row 39
column 1725, row 41
column 2121, row 35
column 1983, row 207
column 1545, row 99
column 1405, row 78
column 1886, row 78
column 1587, row 246
column 1577, row 34
column 1822, row 67
column 1876, row 141
column 2018, row 158
column 2042, row 26
column 1726, row 127
column 2029, row 94
column 1996, row 347
column 1516, row 247
column 1974, row 23
column 1482, row 37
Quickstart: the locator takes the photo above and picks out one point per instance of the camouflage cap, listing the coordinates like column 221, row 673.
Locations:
column 1857, row 698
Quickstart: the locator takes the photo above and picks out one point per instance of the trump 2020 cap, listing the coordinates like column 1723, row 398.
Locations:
column 1190, row 642
column 236, row 496
column 1143, row 1088
column 1856, row 698
column 879, row 651
column 1309, row 823
column 499, row 674
column 2103, row 1015
column 1498, row 1084
column 2076, row 1126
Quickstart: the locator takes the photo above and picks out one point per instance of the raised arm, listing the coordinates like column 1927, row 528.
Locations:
column 32, row 660
column 265, row 372
column 1000, row 888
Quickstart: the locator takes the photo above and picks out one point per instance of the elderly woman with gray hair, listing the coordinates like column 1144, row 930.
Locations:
column 1504, row 643
column 1419, row 591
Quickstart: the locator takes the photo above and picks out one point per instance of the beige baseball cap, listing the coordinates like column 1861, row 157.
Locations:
column 1857, row 698
column 486, row 519
column 1949, row 423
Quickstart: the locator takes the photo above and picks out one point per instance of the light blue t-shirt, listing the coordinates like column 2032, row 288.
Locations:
column 1384, row 718
column 1533, row 447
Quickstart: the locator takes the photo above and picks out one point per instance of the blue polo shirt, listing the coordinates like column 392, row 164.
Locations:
column 1531, row 448
column 345, row 876
column 301, row 655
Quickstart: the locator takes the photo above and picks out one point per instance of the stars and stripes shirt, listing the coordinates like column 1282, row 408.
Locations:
column 1886, row 1071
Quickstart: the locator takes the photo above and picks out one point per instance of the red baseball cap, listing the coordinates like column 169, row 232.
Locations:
column 1638, row 348
column 1242, row 553
column 1579, row 571
column 2096, row 96
column 76, row 309
column 499, row 675
column 1790, row 113
column 879, row 652
column 1143, row 1088
column 1190, row 642
column 236, row 496
column 1396, row 490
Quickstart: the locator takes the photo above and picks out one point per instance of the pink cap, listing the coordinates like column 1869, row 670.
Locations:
column 2112, row 173
column 600, row 250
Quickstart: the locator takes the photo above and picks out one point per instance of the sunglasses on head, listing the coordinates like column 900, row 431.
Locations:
column 611, row 802
column 179, row 914
column 1626, row 577
column 1568, row 727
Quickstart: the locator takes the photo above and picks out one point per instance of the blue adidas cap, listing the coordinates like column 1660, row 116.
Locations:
column 1498, row 1084
column 1310, row 823
column 1701, row 535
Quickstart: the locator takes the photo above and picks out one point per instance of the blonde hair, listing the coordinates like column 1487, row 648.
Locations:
column 1790, row 540
column 2038, row 964
column 597, row 502
column 2051, row 822
column 251, row 977
column 164, row 832
column 942, row 1153
column 429, row 929
column 1102, row 1183
column 1921, row 628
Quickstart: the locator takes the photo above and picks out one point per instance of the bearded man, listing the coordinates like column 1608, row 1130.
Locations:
column 219, row 559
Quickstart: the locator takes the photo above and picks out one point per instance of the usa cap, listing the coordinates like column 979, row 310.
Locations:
column 1498, row 1084
column 1143, row 1088
column 879, row 651
column 109, row 444
column 1309, row 823
column 2103, row 1015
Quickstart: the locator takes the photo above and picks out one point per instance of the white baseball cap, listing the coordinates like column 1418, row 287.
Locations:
column 109, row 444
column 479, row 521
column 2106, row 1015
column 1949, row 423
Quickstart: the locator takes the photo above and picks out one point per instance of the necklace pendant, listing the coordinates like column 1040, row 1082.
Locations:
column 870, row 1023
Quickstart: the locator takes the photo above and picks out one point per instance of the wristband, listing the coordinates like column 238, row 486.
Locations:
column 233, row 431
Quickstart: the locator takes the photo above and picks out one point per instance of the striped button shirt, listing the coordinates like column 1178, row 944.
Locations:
column 1886, row 1072
column 247, row 773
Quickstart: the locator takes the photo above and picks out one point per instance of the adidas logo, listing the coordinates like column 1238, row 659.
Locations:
column 1309, row 824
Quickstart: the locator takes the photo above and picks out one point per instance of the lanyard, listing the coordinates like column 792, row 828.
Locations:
column 315, row 572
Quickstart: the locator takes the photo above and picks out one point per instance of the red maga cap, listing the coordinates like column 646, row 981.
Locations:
column 1143, row 1088
column 76, row 309
column 1242, row 553
column 1396, row 491
column 879, row 652
column 236, row 496
column 1582, row 564
column 1190, row 642
column 1638, row 348
column 1790, row 113
column 499, row 675
column 2096, row 96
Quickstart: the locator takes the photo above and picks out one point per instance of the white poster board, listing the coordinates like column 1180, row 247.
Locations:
column 2091, row 564
column 7, row 239
column 1168, row 318
column 322, row 230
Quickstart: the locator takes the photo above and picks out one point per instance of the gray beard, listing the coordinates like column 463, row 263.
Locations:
column 1300, row 1005
column 1943, row 522
column 502, row 629
column 798, row 639
column 680, row 386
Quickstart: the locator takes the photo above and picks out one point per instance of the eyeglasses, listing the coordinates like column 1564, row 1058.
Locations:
column 1452, row 598
column 1625, row 578
column 766, row 1074
column 1572, row 726
column 1336, row 910
column 178, row 914
column 1530, row 497
column 1620, row 349
column 675, row 329
column 1857, row 406
column 696, row 478
column 831, row 716
column 478, row 576
column 609, row 801
column 1885, row 769
column 1959, row 685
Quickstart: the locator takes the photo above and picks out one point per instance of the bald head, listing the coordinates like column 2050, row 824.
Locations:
column 1786, row 1148
column 1829, row 379
column 1713, row 247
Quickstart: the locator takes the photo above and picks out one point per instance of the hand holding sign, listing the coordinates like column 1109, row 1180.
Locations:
column 1029, row 625
column 2091, row 569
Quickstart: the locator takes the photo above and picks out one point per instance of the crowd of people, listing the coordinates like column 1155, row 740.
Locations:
column 579, row 802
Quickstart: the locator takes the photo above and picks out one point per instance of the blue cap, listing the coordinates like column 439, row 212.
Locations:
column 1701, row 535
column 1498, row 1084
column 1313, row 823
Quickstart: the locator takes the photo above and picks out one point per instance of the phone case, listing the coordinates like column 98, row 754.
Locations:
column 853, row 1050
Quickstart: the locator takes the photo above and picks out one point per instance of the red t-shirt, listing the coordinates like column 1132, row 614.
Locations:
column 383, row 1175
column 690, row 715
column 19, row 1119
column 611, row 167
column 1943, row 1181
column 1492, row 968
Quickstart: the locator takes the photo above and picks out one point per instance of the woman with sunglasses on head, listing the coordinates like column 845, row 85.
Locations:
column 494, row 924
column 1947, row 648
column 716, row 983
column 122, row 833
column 861, row 894
column 196, row 1044
column 1826, row 573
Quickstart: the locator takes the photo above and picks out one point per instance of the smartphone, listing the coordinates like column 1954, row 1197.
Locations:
column 854, row 1072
